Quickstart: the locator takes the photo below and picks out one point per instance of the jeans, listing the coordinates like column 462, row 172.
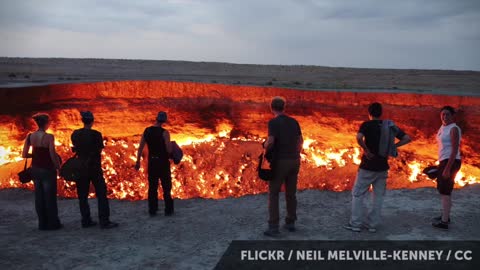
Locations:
column 159, row 168
column 285, row 170
column 45, row 183
column 365, row 178
column 83, row 185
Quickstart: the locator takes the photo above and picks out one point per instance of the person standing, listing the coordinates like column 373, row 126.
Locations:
column 88, row 145
column 376, row 137
column 448, row 139
column 159, row 149
column 45, row 163
column 285, row 143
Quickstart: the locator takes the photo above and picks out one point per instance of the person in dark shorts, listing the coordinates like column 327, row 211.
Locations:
column 45, row 163
column 88, row 145
column 285, row 141
column 448, row 138
column 159, row 149
column 373, row 170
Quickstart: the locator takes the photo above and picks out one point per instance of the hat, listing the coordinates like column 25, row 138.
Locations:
column 86, row 115
column 162, row 117
column 431, row 172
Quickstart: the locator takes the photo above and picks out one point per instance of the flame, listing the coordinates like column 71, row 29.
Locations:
column 195, row 178
column 356, row 156
column 463, row 180
column 415, row 170
column 220, row 131
column 8, row 155
column 329, row 157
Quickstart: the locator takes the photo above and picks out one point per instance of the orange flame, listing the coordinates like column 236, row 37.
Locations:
column 221, row 148
column 194, row 177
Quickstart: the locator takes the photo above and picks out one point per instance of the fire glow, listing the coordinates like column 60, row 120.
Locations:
column 221, row 136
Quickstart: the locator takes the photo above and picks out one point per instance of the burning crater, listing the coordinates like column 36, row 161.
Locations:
column 220, row 128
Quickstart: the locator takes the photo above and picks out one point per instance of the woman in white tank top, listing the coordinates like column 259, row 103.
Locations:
column 446, row 142
column 448, row 139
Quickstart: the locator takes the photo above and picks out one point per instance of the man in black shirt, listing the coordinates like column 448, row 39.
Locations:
column 159, row 149
column 88, row 144
column 373, row 136
column 285, row 141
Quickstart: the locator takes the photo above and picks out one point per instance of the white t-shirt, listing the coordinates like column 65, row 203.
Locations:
column 445, row 143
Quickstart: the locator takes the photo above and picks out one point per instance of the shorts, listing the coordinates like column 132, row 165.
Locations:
column 445, row 185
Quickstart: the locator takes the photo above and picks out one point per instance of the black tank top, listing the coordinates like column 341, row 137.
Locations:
column 155, row 142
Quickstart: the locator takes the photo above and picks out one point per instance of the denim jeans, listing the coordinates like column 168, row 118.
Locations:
column 45, row 183
column 365, row 178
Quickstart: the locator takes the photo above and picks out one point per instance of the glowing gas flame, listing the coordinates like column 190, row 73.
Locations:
column 220, row 128
column 8, row 155
column 329, row 157
column 463, row 180
column 415, row 170
column 195, row 177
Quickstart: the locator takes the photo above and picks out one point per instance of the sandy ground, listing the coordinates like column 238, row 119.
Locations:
column 18, row 72
column 201, row 230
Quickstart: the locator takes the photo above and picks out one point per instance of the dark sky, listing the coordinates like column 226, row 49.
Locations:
column 426, row 34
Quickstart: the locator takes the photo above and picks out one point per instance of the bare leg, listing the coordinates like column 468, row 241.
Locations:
column 446, row 206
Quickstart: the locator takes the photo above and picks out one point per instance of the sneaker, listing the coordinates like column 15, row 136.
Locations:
column 440, row 225
column 290, row 227
column 369, row 228
column 88, row 224
column 109, row 225
column 352, row 228
column 272, row 232
column 439, row 218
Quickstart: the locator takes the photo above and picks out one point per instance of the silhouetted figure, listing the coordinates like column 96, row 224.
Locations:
column 377, row 139
column 88, row 144
column 448, row 139
column 285, row 142
column 45, row 163
column 159, row 150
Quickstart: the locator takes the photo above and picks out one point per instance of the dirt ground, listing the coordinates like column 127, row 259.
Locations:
column 201, row 230
column 16, row 72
